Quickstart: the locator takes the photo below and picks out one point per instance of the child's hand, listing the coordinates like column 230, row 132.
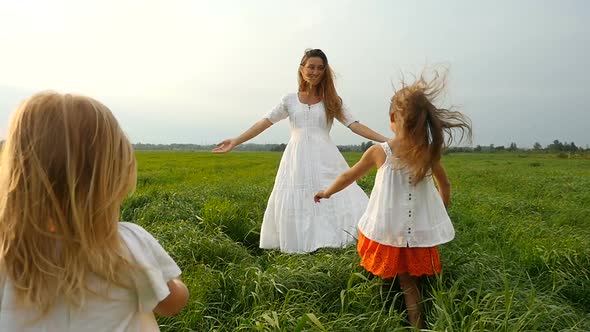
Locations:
column 176, row 299
column 320, row 195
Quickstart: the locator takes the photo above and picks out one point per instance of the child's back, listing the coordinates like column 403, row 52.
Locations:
column 403, row 213
column 66, row 263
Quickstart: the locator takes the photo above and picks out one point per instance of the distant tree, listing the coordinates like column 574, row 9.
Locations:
column 556, row 146
column 460, row 149
column 279, row 147
column 500, row 148
column 477, row 148
column 366, row 146
column 573, row 147
column 537, row 146
column 512, row 147
column 344, row 148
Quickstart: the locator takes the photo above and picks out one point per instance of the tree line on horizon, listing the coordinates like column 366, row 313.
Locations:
column 556, row 146
column 243, row 147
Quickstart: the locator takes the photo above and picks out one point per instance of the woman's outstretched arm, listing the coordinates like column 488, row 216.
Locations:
column 229, row 144
column 366, row 132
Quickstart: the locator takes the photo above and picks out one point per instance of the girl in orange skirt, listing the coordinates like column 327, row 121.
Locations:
column 406, row 217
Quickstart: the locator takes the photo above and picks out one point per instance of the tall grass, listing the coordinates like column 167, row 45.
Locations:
column 520, row 260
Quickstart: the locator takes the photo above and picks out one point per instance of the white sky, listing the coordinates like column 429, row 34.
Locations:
column 200, row 71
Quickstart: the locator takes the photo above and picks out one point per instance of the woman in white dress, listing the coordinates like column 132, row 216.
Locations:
column 311, row 161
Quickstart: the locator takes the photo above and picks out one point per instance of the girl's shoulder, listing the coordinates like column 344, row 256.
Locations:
column 139, row 241
column 129, row 228
column 146, row 249
column 377, row 153
column 383, row 149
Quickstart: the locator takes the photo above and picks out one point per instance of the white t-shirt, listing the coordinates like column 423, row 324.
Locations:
column 124, row 310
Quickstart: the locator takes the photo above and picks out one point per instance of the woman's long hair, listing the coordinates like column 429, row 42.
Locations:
column 65, row 168
column 326, row 88
column 421, row 126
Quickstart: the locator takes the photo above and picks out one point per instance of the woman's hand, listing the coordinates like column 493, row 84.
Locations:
column 225, row 146
column 229, row 144
column 320, row 195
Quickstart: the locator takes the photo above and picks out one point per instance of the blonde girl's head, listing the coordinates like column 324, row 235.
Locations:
column 315, row 75
column 65, row 168
column 420, row 126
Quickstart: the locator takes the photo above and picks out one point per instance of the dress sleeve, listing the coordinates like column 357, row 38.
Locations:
column 157, row 266
column 279, row 112
column 347, row 118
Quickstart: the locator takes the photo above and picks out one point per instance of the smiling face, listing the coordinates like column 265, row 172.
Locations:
column 312, row 70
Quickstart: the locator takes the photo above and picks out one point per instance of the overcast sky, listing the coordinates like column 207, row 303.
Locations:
column 200, row 71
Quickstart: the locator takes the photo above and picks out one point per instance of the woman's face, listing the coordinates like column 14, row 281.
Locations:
column 312, row 70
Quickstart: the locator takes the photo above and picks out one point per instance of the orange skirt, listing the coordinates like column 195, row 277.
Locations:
column 387, row 261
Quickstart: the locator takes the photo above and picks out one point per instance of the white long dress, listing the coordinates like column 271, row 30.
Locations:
column 293, row 222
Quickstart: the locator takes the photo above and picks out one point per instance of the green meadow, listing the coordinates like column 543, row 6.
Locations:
column 520, row 260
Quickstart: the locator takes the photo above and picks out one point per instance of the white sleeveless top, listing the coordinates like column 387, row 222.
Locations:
column 402, row 214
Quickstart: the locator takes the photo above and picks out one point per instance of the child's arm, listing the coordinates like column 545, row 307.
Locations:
column 175, row 301
column 442, row 181
column 362, row 167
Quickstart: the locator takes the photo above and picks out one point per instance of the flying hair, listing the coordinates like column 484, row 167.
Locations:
column 423, row 129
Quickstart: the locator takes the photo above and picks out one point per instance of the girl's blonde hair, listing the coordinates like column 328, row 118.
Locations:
column 421, row 126
column 65, row 168
column 326, row 87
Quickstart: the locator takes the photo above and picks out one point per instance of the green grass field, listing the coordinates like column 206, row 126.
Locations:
column 520, row 260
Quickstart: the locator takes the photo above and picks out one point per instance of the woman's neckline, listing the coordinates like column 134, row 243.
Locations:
column 306, row 104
